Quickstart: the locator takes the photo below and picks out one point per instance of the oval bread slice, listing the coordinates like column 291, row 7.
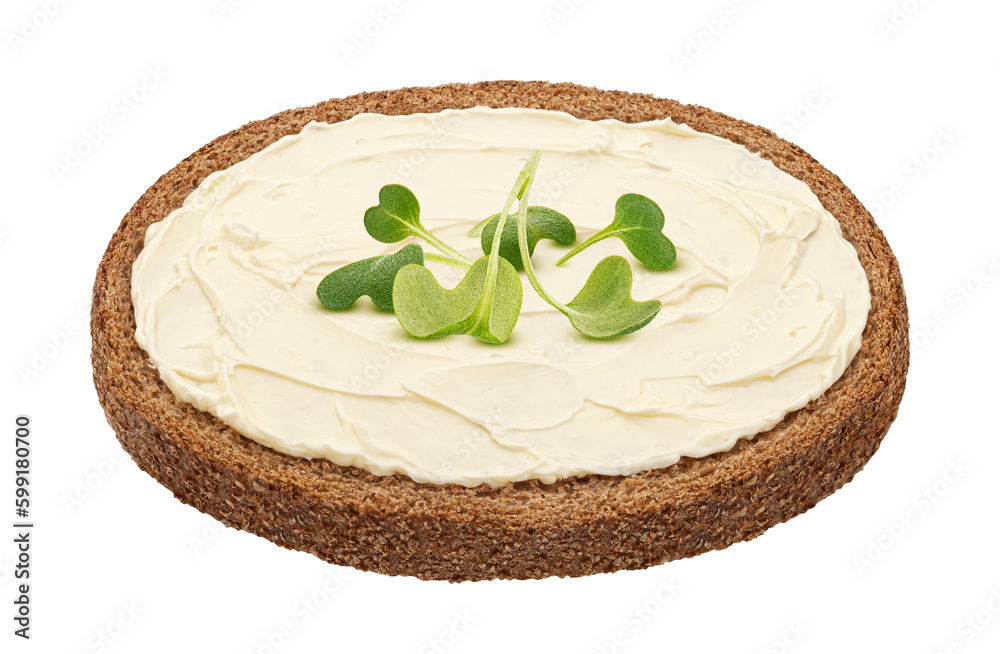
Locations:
column 573, row 527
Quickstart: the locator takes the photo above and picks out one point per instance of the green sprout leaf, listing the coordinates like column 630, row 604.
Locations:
column 479, row 306
column 485, row 304
column 604, row 307
column 397, row 216
column 638, row 223
column 373, row 277
column 542, row 223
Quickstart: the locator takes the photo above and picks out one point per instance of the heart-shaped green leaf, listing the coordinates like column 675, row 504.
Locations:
column 485, row 304
column 604, row 307
column 373, row 277
column 638, row 223
column 542, row 223
column 480, row 306
column 397, row 216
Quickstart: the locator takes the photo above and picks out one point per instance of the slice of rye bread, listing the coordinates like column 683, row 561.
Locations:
column 578, row 526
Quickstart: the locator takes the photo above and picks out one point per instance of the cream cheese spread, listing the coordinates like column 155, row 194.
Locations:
column 763, row 311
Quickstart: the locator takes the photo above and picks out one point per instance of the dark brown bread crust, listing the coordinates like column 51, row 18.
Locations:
column 573, row 527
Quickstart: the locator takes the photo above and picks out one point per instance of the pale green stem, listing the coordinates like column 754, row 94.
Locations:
column 478, row 229
column 522, row 242
column 494, row 261
column 599, row 236
column 444, row 247
column 523, row 179
column 448, row 261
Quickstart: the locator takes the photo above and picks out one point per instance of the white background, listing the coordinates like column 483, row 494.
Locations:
column 904, row 113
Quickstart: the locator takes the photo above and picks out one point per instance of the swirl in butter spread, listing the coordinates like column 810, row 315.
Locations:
column 763, row 311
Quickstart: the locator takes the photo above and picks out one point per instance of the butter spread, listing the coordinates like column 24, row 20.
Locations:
column 763, row 311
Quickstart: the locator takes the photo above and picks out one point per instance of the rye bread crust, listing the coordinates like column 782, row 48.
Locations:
column 573, row 527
